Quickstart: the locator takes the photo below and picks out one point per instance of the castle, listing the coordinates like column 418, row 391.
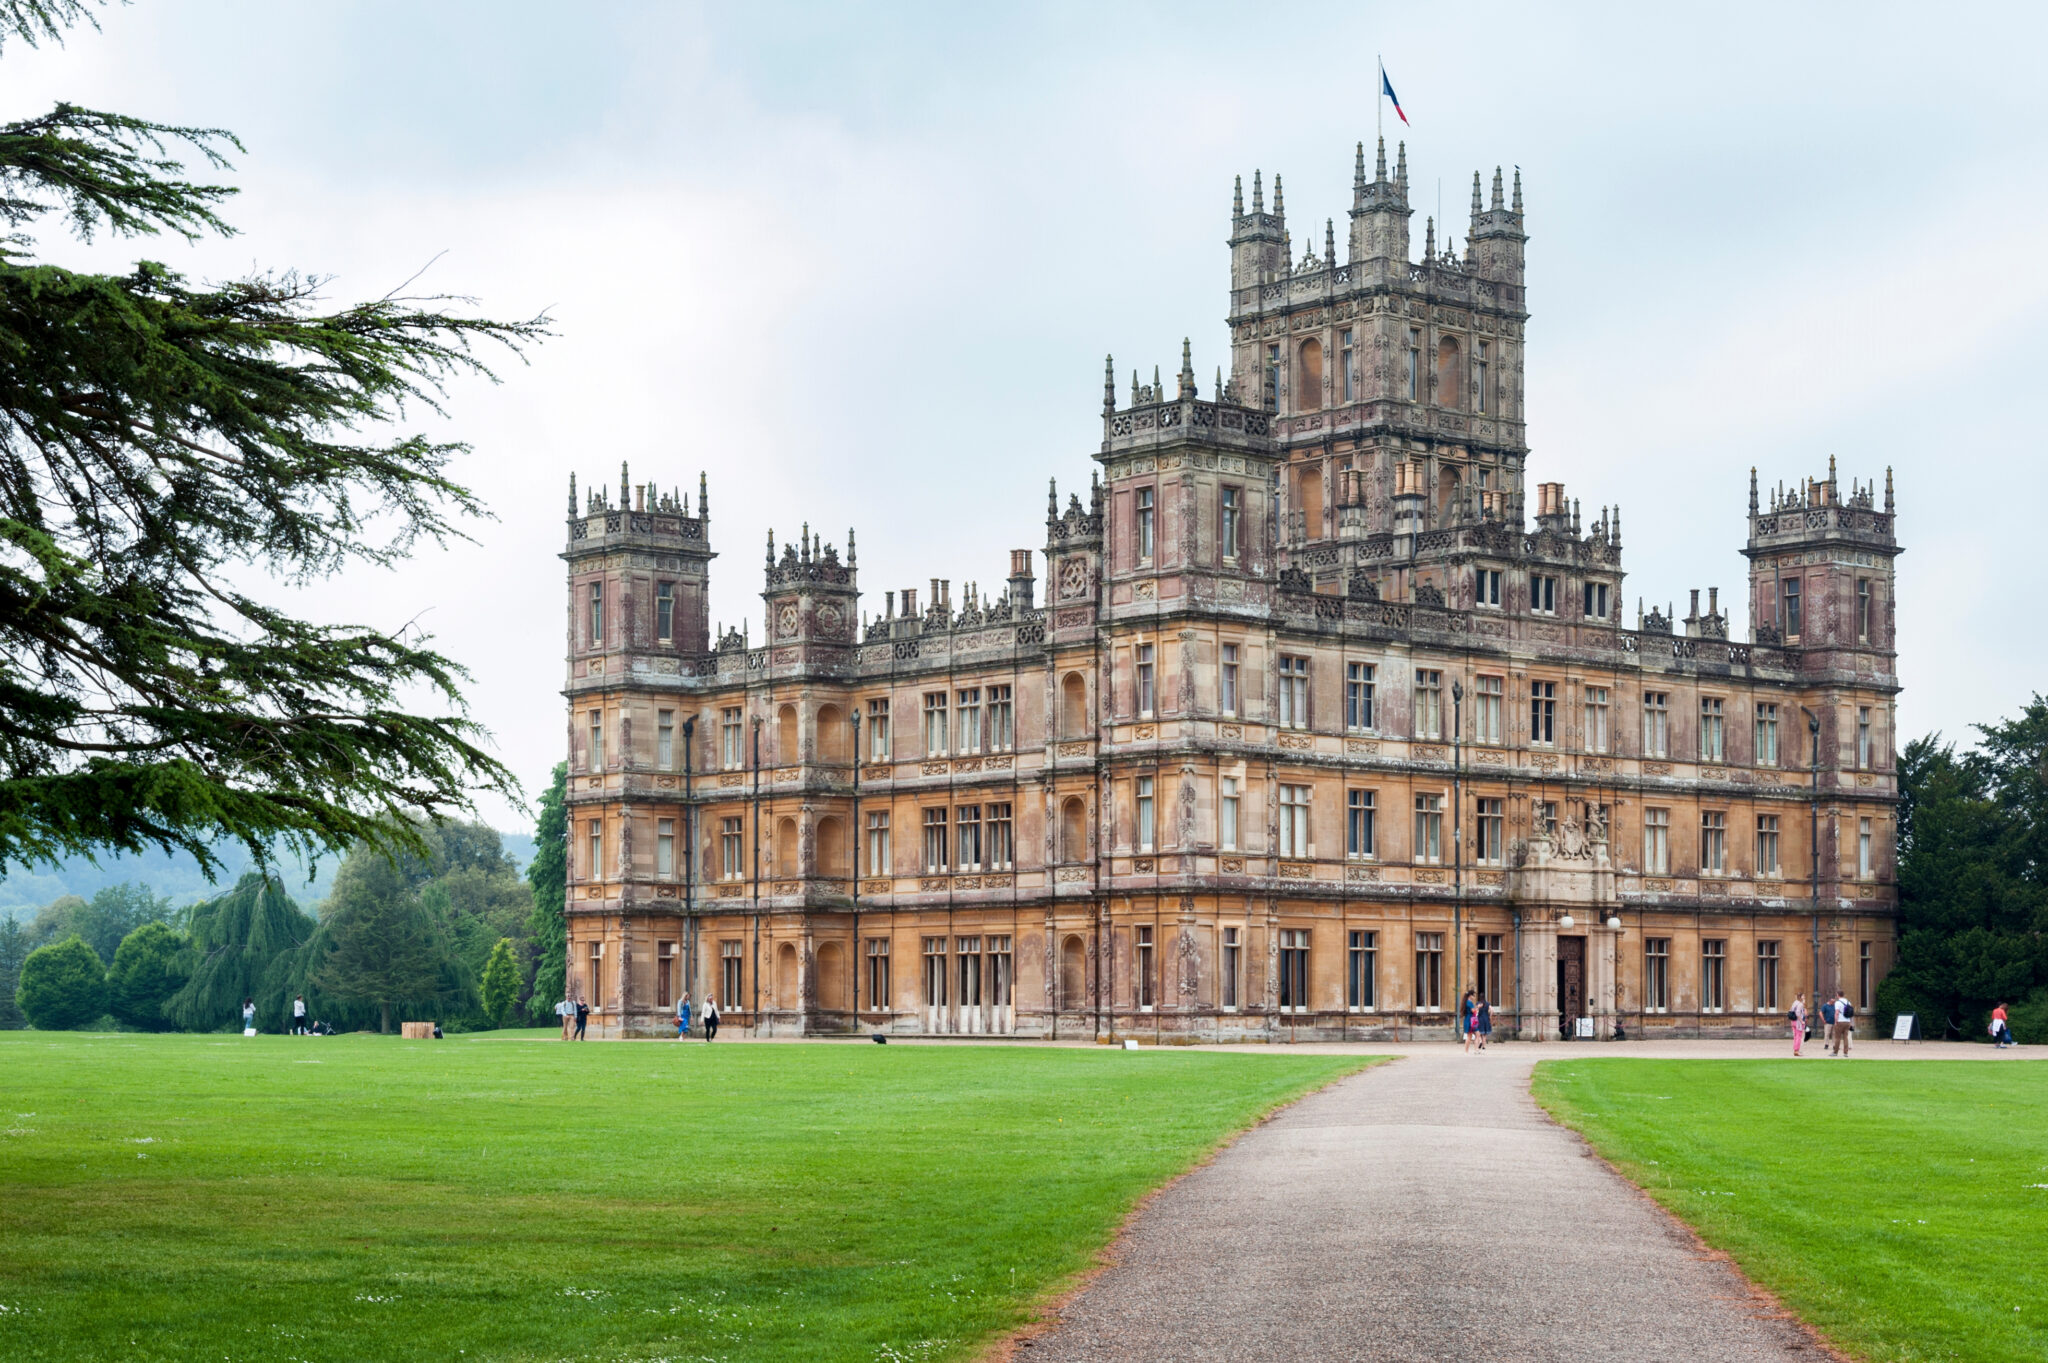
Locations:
column 1313, row 731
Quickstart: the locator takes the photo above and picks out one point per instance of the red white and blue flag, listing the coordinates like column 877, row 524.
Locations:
column 1387, row 88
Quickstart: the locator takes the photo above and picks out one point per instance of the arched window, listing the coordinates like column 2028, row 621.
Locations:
column 786, row 751
column 832, row 991
column 1073, row 974
column 835, row 735
column 1308, row 377
column 785, row 848
column 832, row 848
column 1074, row 829
column 787, row 993
column 1074, row 706
column 1450, row 374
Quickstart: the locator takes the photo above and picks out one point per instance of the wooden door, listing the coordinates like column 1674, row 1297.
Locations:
column 1571, row 983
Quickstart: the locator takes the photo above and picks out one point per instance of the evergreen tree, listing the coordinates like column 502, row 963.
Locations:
column 379, row 948
column 501, row 982
column 14, row 949
column 63, row 985
column 242, row 944
column 163, row 444
column 149, row 967
column 548, row 874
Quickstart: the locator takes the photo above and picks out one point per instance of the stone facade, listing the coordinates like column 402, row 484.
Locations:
column 1315, row 728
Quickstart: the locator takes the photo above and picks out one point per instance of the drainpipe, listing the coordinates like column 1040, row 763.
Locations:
column 755, row 1006
column 1518, row 976
column 1813, row 838
column 1458, row 841
column 853, row 954
column 689, row 853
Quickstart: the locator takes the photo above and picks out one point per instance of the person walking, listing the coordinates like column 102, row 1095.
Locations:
column 1797, row 1017
column 1839, row 1037
column 582, row 1019
column 566, row 1011
column 1483, row 1015
column 1827, row 1022
column 299, row 1015
column 1467, row 1022
column 2001, row 1027
column 248, row 1017
column 682, row 1016
column 711, row 1019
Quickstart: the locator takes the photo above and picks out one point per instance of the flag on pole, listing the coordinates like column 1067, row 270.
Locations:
column 1387, row 88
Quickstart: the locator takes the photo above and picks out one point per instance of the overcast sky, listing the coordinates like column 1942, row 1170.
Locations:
column 861, row 264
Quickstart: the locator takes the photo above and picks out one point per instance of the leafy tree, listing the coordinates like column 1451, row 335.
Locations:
column 242, row 945
column 104, row 920
column 14, row 949
column 163, row 443
column 548, row 874
column 1973, row 878
column 149, row 967
column 501, row 982
column 63, row 985
column 379, row 947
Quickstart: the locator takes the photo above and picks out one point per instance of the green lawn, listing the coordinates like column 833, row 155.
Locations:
column 506, row 1196
column 1899, row 1206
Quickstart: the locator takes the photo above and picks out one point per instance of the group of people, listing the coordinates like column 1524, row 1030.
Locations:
column 1475, row 1021
column 575, row 1015
column 303, row 1022
column 1837, row 1014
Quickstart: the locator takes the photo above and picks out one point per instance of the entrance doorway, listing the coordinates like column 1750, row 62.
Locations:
column 1571, row 984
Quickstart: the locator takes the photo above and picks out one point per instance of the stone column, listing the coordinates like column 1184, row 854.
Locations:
column 1537, row 971
column 1601, row 976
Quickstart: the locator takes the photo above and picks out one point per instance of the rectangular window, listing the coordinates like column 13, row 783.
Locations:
column 1226, row 814
column 1863, row 737
column 1272, row 394
column 1294, row 821
column 597, row 740
column 664, row 974
column 1345, row 359
column 1712, row 748
column 1596, row 719
column 665, row 847
column 732, row 852
column 665, row 612
column 1146, row 813
column 1429, row 829
column 1789, row 594
column 1001, row 845
column 729, row 963
column 935, row 972
column 1232, row 515
column 732, row 747
column 1001, row 987
column 1767, row 977
column 878, row 842
column 1358, row 687
column 665, row 740
column 1479, row 367
column 968, row 713
column 1358, row 823
column 594, row 830
column 878, row 729
column 1486, row 708
column 1293, row 693
column 1767, row 735
column 1233, row 951
column 1429, row 972
column 1491, row 847
column 1594, row 600
column 1862, row 610
column 1713, row 843
column 1544, row 814
column 1767, row 845
column 1656, row 974
column 1002, row 720
column 1657, row 842
column 1147, row 692
column 1360, row 970
column 1713, row 975
column 1543, row 594
column 1228, row 694
column 1488, row 580
column 1293, row 970
column 1429, row 703
column 967, row 959
column 967, row 838
column 596, row 958
column 878, row 974
column 1863, row 976
column 1144, row 525
column 935, row 724
column 1414, row 364
column 934, row 841
column 1146, row 966
column 1490, row 979
column 1866, row 850
column 595, row 622
column 1656, row 724
column 1543, row 713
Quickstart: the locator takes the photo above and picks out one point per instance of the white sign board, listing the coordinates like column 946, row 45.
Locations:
column 1585, row 1029
column 1906, row 1028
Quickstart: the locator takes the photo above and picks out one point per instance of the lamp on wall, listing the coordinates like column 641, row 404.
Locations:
column 1565, row 921
column 1614, row 922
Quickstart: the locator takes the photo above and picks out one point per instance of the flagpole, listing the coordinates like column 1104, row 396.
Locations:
column 1379, row 95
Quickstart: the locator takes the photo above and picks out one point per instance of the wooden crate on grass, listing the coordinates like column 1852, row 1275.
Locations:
column 417, row 1031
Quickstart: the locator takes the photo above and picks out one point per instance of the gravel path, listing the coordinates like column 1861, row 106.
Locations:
column 1424, row 1210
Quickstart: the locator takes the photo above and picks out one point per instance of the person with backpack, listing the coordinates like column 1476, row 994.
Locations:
column 2001, row 1028
column 711, row 1020
column 1797, row 1017
column 1844, row 1011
